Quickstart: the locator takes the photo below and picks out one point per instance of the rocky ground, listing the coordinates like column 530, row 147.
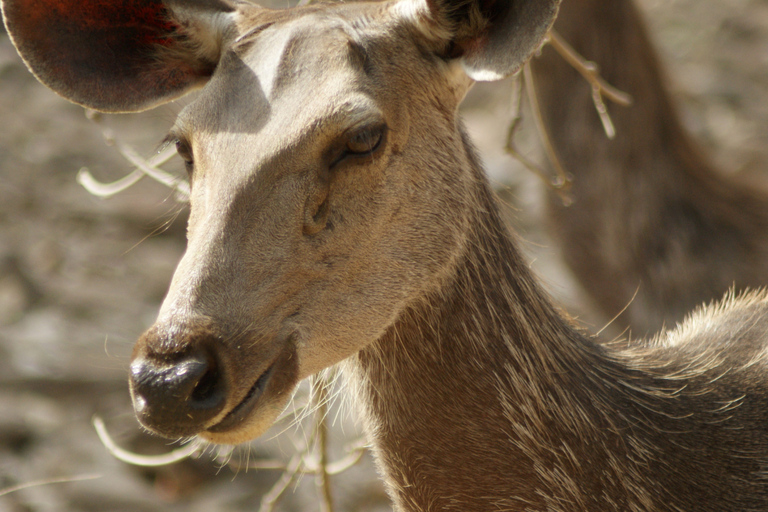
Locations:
column 81, row 277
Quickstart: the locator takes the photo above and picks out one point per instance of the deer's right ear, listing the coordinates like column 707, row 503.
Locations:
column 492, row 38
column 119, row 55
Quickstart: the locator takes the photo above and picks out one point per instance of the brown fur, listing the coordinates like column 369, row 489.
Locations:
column 651, row 214
column 481, row 398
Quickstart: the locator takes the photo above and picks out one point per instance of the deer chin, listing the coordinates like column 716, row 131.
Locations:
column 261, row 405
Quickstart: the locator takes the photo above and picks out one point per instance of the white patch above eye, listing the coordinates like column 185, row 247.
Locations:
column 267, row 57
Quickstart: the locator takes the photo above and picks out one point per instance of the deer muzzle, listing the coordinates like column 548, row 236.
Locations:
column 193, row 380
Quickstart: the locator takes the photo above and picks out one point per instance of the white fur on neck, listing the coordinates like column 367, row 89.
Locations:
column 479, row 74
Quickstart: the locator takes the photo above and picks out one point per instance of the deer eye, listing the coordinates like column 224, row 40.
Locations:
column 360, row 143
column 185, row 152
column 365, row 141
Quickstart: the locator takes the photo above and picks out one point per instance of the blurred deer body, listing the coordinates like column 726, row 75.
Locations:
column 339, row 213
column 651, row 216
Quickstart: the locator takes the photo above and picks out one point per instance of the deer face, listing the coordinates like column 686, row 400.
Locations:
column 311, row 209
column 328, row 190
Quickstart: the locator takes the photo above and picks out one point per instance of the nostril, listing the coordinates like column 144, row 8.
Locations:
column 178, row 397
column 208, row 389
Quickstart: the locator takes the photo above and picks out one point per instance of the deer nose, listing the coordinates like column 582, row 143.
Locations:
column 177, row 396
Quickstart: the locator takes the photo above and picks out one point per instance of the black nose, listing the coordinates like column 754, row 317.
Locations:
column 177, row 396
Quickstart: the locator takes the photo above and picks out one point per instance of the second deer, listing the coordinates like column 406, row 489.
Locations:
column 654, row 227
column 339, row 215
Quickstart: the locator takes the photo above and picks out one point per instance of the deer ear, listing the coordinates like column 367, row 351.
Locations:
column 119, row 55
column 493, row 38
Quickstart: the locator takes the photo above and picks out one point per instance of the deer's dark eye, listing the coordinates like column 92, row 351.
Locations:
column 361, row 143
column 366, row 141
column 185, row 152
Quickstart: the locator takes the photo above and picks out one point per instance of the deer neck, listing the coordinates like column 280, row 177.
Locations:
column 472, row 381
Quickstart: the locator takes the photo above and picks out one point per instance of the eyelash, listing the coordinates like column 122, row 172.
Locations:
column 362, row 138
column 185, row 152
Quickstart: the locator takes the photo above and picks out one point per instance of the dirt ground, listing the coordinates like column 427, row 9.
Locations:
column 81, row 277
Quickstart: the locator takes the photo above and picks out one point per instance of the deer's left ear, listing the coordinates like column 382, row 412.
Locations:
column 493, row 38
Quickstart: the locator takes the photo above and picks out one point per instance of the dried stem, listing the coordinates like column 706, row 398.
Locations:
column 265, row 464
column 589, row 70
column 356, row 451
column 177, row 455
column 322, row 477
column 38, row 483
column 562, row 181
column 591, row 73
column 105, row 190
column 511, row 149
column 143, row 167
column 269, row 500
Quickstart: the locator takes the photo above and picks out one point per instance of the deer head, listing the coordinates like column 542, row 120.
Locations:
column 327, row 170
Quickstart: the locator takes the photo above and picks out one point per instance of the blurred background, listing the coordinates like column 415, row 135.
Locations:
column 82, row 277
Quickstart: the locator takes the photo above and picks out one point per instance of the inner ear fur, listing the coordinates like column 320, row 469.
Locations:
column 119, row 55
column 494, row 38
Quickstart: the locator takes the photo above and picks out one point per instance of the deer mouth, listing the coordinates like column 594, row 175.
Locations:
column 247, row 405
column 259, row 407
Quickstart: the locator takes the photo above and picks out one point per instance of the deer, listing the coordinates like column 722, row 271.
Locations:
column 654, row 228
column 340, row 216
